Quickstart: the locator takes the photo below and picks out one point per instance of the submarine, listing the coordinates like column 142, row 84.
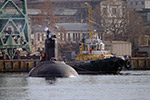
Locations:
column 48, row 66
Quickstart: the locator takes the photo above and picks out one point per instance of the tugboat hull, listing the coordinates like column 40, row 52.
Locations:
column 111, row 65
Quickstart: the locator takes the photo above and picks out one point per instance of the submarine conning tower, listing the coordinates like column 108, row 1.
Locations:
column 50, row 48
column 48, row 66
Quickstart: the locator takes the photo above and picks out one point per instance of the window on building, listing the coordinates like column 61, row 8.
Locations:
column 148, row 42
column 43, row 49
column 114, row 11
column 64, row 36
column 31, row 32
column 123, row 11
column 69, row 39
column 136, row 3
column 83, row 35
column 38, row 36
column 88, row 35
column 32, row 41
column 142, row 2
column 104, row 11
column 131, row 3
column 61, row 36
column 79, row 36
column 42, row 37
column 39, row 49
column 74, row 36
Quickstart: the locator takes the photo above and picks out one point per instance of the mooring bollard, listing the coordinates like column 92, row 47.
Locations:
column 4, row 66
column 28, row 67
column 12, row 68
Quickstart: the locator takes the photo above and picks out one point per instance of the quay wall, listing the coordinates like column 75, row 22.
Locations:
column 140, row 63
column 25, row 65
column 20, row 65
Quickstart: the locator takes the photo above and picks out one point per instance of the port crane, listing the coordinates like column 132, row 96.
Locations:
column 92, row 33
column 14, row 27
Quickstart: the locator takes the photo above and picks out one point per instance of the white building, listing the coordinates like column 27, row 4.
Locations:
column 138, row 4
column 112, row 8
column 74, row 32
column 112, row 13
column 142, row 6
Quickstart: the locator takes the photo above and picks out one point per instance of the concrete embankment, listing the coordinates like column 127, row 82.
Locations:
column 140, row 63
column 19, row 65
column 25, row 65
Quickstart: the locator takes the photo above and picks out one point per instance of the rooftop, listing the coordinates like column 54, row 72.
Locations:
column 77, row 26
column 74, row 26
column 65, row 0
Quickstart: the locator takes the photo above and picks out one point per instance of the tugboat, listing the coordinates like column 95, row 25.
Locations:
column 94, row 59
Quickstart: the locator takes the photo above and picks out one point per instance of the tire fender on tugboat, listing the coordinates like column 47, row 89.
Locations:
column 127, row 64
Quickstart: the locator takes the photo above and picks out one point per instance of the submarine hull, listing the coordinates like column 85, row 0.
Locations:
column 111, row 65
column 52, row 69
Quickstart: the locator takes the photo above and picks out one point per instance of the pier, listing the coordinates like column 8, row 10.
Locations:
column 18, row 65
column 25, row 65
column 140, row 63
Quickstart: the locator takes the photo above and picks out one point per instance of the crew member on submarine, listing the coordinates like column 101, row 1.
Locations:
column 49, row 67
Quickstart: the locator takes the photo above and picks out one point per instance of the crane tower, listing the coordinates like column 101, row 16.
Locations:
column 92, row 33
column 14, row 27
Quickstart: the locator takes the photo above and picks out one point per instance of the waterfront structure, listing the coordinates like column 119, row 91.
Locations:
column 141, row 6
column 138, row 4
column 72, row 13
column 119, row 48
column 73, row 34
column 112, row 9
column 112, row 15
column 14, row 28
column 37, row 40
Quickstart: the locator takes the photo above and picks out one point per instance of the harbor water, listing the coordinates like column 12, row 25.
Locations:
column 129, row 85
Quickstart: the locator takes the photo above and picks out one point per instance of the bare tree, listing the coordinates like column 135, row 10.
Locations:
column 46, row 16
column 111, row 16
column 122, row 23
column 135, row 28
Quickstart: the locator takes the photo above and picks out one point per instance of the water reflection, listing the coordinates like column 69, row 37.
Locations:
column 12, row 86
column 50, row 80
column 132, row 85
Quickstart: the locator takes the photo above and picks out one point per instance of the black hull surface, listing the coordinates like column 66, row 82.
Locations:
column 100, row 66
column 52, row 69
